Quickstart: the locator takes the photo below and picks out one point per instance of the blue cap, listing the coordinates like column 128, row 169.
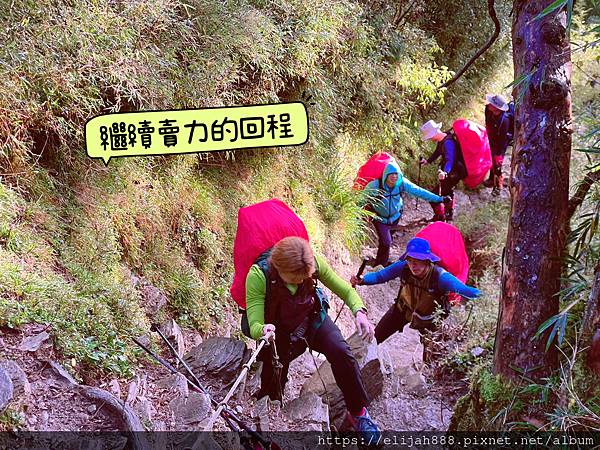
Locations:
column 418, row 248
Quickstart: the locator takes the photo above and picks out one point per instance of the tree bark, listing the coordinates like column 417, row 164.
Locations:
column 539, row 191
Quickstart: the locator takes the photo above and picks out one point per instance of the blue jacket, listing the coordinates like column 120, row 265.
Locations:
column 389, row 206
column 448, row 282
column 449, row 153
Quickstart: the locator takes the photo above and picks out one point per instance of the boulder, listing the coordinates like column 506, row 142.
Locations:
column 20, row 382
column 6, row 389
column 310, row 409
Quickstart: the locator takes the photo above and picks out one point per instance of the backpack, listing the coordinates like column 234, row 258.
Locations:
column 260, row 227
column 419, row 322
column 321, row 298
column 446, row 241
column 475, row 150
column 372, row 170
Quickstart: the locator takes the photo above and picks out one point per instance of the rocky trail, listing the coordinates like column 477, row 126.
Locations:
column 42, row 396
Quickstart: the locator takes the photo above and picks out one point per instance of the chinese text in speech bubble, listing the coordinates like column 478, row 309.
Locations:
column 196, row 130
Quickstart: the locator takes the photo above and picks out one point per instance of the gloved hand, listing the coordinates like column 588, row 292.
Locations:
column 442, row 175
column 269, row 331
column 363, row 325
column 354, row 280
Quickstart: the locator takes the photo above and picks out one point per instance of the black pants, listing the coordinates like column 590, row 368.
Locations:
column 393, row 321
column 446, row 188
column 328, row 340
column 385, row 232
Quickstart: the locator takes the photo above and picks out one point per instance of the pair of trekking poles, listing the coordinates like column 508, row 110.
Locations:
column 232, row 421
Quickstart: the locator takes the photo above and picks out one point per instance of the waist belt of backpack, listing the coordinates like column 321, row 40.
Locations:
column 429, row 317
column 403, row 306
column 301, row 329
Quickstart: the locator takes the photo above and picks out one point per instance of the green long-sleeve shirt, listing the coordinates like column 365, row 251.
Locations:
column 256, row 286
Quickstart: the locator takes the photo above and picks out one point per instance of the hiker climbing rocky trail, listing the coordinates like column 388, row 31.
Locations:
column 405, row 393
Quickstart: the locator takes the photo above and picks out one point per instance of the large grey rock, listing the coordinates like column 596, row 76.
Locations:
column 6, row 389
column 21, row 385
column 310, row 409
column 218, row 360
column 371, row 375
column 191, row 410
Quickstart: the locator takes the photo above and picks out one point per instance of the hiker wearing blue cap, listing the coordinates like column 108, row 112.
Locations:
column 388, row 206
column 424, row 286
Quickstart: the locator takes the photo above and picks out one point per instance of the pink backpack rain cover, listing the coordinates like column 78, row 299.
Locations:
column 475, row 148
column 260, row 226
column 372, row 169
column 446, row 242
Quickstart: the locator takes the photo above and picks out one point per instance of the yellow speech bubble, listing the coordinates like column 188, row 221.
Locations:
column 174, row 132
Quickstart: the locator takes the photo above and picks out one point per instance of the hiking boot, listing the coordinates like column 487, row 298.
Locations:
column 496, row 191
column 364, row 425
column 449, row 215
column 489, row 182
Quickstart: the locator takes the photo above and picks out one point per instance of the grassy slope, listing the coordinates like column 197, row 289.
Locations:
column 73, row 232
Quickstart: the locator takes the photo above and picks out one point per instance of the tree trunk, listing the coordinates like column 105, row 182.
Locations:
column 539, row 191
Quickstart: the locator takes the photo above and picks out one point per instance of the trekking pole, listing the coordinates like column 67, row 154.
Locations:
column 226, row 413
column 418, row 181
column 179, row 358
column 358, row 274
column 245, row 369
column 277, row 366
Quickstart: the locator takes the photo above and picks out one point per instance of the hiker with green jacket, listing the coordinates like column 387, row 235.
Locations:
column 282, row 298
column 388, row 206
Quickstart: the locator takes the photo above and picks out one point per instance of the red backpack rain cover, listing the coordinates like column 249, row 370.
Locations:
column 475, row 148
column 446, row 242
column 372, row 169
column 260, row 226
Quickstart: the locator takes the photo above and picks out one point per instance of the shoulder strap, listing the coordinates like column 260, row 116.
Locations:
column 263, row 261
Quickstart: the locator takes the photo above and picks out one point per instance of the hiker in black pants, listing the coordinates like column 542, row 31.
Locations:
column 424, row 286
column 452, row 167
column 499, row 124
column 283, row 299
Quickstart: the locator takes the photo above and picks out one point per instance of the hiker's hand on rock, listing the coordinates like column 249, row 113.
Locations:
column 442, row 175
column 364, row 326
column 269, row 331
column 354, row 280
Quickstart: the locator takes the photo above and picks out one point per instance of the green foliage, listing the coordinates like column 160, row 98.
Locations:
column 73, row 232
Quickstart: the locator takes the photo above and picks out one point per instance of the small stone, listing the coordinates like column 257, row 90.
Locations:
column 115, row 388
column 63, row 376
column 477, row 351
column 91, row 409
column 33, row 343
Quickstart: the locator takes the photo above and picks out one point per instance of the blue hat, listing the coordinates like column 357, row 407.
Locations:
column 418, row 248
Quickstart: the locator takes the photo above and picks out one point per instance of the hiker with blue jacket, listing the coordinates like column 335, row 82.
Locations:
column 388, row 206
column 424, row 286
